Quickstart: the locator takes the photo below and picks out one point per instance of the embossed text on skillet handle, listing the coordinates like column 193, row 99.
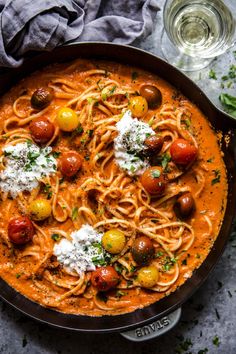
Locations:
column 154, row 329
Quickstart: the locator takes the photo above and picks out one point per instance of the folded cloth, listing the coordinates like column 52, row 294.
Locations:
column 28, row 25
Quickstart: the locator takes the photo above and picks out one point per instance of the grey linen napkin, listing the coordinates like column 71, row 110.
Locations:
column 27, row 25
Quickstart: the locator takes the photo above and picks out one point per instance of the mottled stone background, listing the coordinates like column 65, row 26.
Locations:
column 210, row 312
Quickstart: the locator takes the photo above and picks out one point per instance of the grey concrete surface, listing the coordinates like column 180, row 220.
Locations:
column 210, row 312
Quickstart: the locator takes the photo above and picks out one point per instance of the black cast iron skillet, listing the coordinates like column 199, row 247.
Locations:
column 218, row 120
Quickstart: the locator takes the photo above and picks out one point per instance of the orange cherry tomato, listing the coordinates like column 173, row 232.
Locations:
column 153, row 180
column 70, row 163
column 67, row 119
column 20, row 230
column 42, row 130
column 183, row 152
column 105, row 278
column 138, row 106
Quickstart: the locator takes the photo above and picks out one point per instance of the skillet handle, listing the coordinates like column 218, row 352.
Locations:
column 154, row 329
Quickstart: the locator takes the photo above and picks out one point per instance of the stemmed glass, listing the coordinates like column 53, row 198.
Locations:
column 196, row 31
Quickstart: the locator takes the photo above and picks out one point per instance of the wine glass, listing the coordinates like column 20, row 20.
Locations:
column 196, row 31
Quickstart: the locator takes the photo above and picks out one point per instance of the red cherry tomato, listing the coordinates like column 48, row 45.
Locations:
column 183, row 152
column 42, row 130
column 20, row 230
column 153, row 180
column 105, row 278
column 70, row 163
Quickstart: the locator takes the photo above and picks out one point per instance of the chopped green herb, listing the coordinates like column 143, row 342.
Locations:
column 156, row 173
column 74, row 213
column 151, row 121
column 159, row 254
column 184, row 262
column 132, row 168
column 78, row 131
column 56, row 154
column 166, row 158
column 169, row 262
column 217, row 177
column 232, row 72
column 216, row 341
column 112, row 90
column 224, row 78
column 119, row 268
column 132, row 268
column 87, row 157
column 47, row 189
column 104, row 96
column 18, row 275
column 90, row 100
column 134, row 75
column 90, row 132
column 211, row 159
column 99, row 261
column 187, row 122
column 55, row 237
column 203, row 351
column 98, row 246
column 184, row 346
column 33, row 155
column 29, row 142
column 212, row 74
column 109, row 93
column 120, row 293
column 229, row 103
column 129, row 283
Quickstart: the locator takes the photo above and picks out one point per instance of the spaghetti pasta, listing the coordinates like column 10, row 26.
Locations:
column 102, row 195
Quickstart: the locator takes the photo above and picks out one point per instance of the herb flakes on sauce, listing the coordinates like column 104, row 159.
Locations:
column 217, row 177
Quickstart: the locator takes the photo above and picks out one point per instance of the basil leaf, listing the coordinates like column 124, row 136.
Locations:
column 229, row 103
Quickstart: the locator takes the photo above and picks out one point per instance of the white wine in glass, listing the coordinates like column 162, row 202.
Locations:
column 196, row 31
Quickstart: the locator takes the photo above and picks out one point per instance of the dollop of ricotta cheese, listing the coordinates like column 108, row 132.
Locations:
column 129, row 144
column 25, row 165
column 83, row 252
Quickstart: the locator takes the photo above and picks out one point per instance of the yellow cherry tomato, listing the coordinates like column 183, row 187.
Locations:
column 148, row 276
column 40, row 209
column 113, row 241
column 67, row 119
column 138, row 106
